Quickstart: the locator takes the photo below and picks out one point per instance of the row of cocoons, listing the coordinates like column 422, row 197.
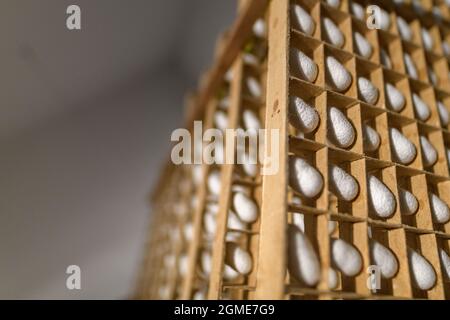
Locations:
column 304, row 264
column 302, row 20
column 341, row 132
column 341, row 80
column 308, row 182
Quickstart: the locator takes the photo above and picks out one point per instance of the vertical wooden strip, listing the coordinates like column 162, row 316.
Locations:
column 218, row 248
column 272, row 254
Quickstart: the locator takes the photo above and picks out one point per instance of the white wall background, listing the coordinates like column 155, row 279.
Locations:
column 85, row 123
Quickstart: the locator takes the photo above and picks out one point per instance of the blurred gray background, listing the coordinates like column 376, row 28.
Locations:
column 85, row 123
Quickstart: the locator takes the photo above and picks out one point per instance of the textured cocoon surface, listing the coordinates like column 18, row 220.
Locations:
column 302, row 19
column 429, row 153
column 188, row 231
column 333, row 279
column 229, row 273
column 302, row 116
column 357, row 10
column 205, row 262
column 340, row 78
column 183, row 265
column 251, row 121
column 303, row 65
column 304, row 178
column 214, row 182
column 408, row 202
column 440, row 210
column 259, row 28
column 384, row 258
column 427, row 39
column 371, row 138
column 209, row 221
column 422, row 272
column 298, row 219
column 395, row 99
column 234, row 222
column 421, row 108
column 346, row 257
column 332, row 32
column 410, row 66
column 342, row 184
column 303, row 262
column 249, row 163
column 445, row 262
column 199, row 295
column 250, row 59
column 443, row 113
column 253, row 86
column 334, row 3
column 385, row 59
column 404, row 29
column 385, row 20
column 238, row 258
column 363, row 47
column 221, row 120
column 381, row 198
column 340, row 130
column 403, row 149
column 245, row 207
column 367, row 90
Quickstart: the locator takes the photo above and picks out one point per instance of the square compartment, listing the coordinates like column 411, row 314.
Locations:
column 436, row 139
column 373, row 73
column 400, row 82
column 343, row 21
column 392, row 45
column 348, row 61
column 426, row 93
column 370, row 35
column 313, row 9
column 377, row 119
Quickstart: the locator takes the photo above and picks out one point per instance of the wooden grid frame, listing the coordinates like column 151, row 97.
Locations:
column 266, row 239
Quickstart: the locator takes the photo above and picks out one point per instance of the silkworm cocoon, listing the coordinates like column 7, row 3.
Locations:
column 404, row 150
column 334, row 3
column 205, row 262
column 384, row 258
column 304, row 178
column 357, row 10
column 183, row 264
column 429, row 153
column 188, row 231
column 432, row 76
column 259, row 28
column 341, row 130
column 234, row 222
column 446, row 48
column 426, row 39
column 443, row 113
column 340, row 78
column 333, row 279
column 214, row 182
column 199, row 295
column 302, row 116
column 212, row 207
column 385, row 60
column 381, row 198
column 422, row 272
column 445, row 262
column 410, row 66
column 440, row 210
column 371, row 139
column 298, row 219
column 253, row 86
column 385, row 20
column 303, row 262
column 302, row 19
column 229, row 75
column 342, row 184
column 363, row 47
column 229, row 273
column 404, row 29
column 197, row 174
column 332, row 227
column 332, row 32
column 303, row 65
column 251, row 121
column 238, row 259
column 395, row 99
column 421, row 108
column 250, row 59
column 346, row 257
column 245, row 207
column 367, row 90
column 417, row 6
column 209, row 222
column 249, row 164
column 408, row 202
column 224, row 103
column 221, row 120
